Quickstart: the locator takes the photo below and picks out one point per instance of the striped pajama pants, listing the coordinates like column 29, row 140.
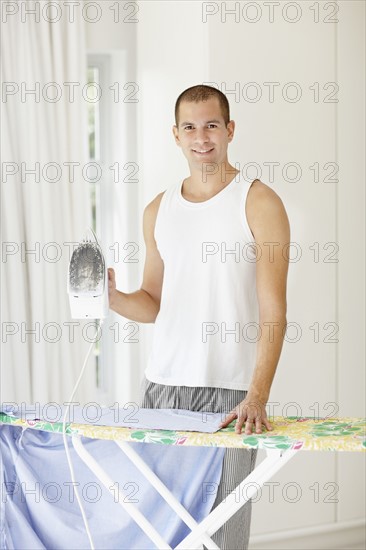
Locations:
column 237, row 463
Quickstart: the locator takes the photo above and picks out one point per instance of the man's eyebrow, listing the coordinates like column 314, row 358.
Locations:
column 208, row 122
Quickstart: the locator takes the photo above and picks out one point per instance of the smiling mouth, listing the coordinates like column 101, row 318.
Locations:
column 203, row 152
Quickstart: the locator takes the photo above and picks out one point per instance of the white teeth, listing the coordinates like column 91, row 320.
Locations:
column 202, row 151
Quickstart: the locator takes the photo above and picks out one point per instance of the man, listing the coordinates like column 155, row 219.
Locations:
column 215, row 271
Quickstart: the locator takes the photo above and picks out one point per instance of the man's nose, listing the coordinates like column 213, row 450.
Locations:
column 202, row 135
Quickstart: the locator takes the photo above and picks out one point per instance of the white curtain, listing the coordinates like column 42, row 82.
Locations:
column 41, row 366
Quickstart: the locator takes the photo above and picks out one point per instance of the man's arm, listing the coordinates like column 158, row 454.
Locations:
column 269, row 223
column 144, row 304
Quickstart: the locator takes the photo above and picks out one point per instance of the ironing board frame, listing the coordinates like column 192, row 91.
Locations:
column 200, row 532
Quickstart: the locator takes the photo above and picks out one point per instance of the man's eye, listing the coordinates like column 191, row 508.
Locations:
column 188, row 127
column 213, row 125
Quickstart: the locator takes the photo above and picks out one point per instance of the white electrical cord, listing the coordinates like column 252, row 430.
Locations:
column 66, row 444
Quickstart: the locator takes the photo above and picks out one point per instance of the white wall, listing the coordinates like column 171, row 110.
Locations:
column 350, row 374
column 177, row 49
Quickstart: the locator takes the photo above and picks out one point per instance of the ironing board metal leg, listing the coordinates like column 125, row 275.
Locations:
column 164, row 492
column 274, row 461
column 201, row 532
column 129, row 508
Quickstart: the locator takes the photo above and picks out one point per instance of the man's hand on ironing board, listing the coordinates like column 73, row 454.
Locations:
column 252, row 413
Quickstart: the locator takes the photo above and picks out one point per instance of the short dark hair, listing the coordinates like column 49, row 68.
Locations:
column 201, row 92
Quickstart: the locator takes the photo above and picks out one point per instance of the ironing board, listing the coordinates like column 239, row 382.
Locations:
column 289, row 436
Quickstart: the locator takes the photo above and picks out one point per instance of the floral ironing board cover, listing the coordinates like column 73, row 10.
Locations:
column 297, row 433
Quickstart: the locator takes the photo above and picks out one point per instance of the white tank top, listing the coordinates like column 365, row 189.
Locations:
column 207, row 329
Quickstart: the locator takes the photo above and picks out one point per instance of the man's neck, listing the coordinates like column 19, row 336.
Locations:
column 208, row 180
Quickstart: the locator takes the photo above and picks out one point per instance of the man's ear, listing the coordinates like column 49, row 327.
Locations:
column 230, row 129
column 176, row 135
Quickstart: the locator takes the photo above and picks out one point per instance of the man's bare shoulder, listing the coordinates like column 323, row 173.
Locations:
column 153, row 206
column 259, row 191
column 264, row 205
column 150, row 214
column 261, row 197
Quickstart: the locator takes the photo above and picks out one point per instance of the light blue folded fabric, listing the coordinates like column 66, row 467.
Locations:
column 39, row 509
column 131, row 417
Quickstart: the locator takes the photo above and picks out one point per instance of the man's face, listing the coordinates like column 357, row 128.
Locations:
column 202, row 133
